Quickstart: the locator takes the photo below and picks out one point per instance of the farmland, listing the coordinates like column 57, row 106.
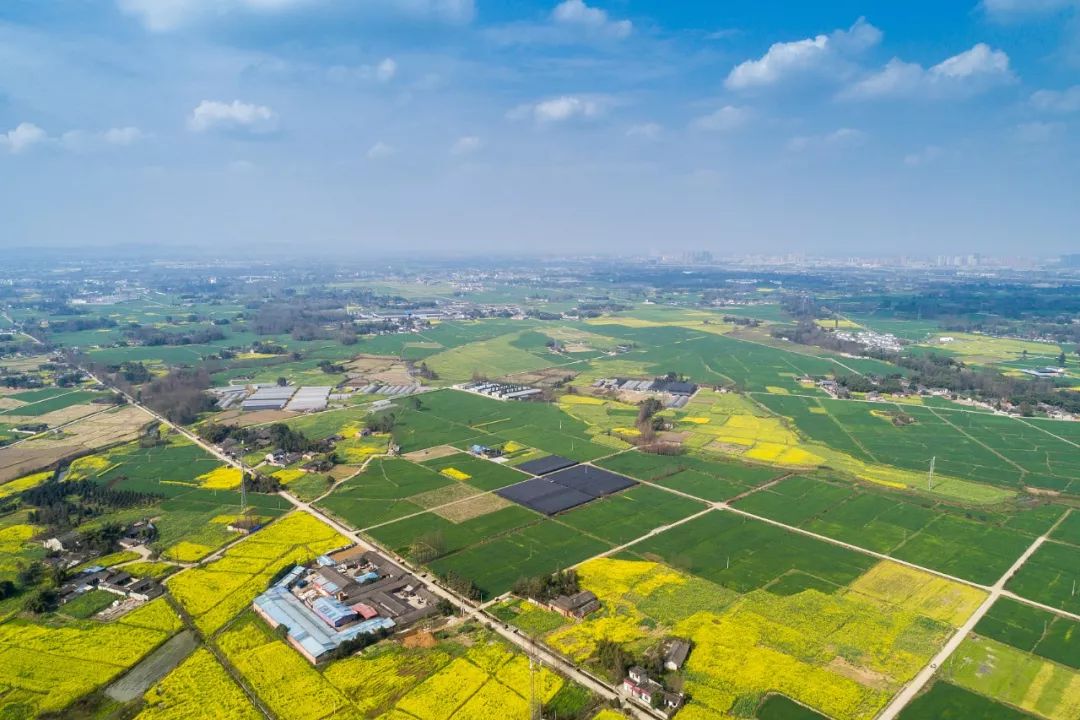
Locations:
column 214, row 593
column 468, row 678
column 785, row 520
column 83, row 656
column 743, row 635
column 952, row 540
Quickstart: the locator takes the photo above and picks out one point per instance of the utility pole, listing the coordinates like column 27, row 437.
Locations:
column 243, row 488
column 930, row 478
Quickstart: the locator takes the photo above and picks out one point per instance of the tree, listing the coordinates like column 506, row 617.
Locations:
column 282, row 381
column 1061, row 359
column 42, row 601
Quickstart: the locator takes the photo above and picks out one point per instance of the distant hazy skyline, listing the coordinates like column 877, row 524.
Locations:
column 520, row 126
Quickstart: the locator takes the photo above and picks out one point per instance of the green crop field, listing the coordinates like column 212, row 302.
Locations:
column 630, row 514
column 778, row 707
column 379, row 494
column 1051, row 576
column 1069, row 529
column 948, row 702
column 974, row 546
column 460, row 419
column 974, row 446
column 423, row 535
column 53, row 402
column 1034, row 630
column 713, row 480
column 538, row 549
column 483, row 474
column 744, row 554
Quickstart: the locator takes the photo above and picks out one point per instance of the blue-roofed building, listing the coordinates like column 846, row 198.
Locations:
column 328, row 604
column 333, row 611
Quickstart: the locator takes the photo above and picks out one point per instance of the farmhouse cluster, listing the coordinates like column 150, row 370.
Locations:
column 345, row 598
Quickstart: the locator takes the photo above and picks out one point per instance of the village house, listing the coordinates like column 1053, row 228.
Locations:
column 576, row 606
column 640, row 687
column 675, row 653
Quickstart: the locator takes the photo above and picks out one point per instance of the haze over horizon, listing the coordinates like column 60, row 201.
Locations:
column 521, row 126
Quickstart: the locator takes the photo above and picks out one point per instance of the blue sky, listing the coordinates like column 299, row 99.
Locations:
column 519, row 126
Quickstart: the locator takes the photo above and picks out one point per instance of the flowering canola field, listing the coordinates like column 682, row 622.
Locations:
column 479, row 679
column 198, row 689
column 844, row 654
column 216, row 592
column 47, row 667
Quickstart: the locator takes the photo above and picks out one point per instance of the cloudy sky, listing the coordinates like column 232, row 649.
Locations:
column 594, row 125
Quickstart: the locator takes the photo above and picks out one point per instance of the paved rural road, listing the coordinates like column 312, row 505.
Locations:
column 530, row 647
column 913, row 688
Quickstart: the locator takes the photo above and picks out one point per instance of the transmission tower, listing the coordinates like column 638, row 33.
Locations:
column 930, row 477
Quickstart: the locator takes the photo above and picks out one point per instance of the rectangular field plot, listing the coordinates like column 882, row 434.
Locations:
column 1069, row 529
column 1051, row 576
column 461, row 419
column 632, row 514
column 745, row 554
column 534, row 550
column 382, row 492
column 713, row 480
column 545, row 496
column 427, row 537
column 545, row 465
column 1033, row 630
column 1012, row 676
column 945, row 701
column 975, row 446
column 478, row 472
column 973, row 546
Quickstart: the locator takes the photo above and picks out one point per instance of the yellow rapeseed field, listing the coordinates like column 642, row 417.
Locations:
column 199, row 689
column 288, row 475
column 580, row 400
column 222, row 478
column 455, row 474
column 48, row 666
column 438, row 696
column 24, row 483
column 216, row 592
column 186, row 551
column 12, row 538
column 920, row 592
column 279, row 675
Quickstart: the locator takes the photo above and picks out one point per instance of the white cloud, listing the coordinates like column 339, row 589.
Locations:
column 83, row 141
column 386, row 70
column 729, row 117
column 967, row 73
column 560, row 109
column 1039, row 132
column 820, row 55
column 842, row 138
column 1058, row 101
column 577, row 13
column 1005, row 10
column 381, row 150
column 123, row 136
column 645, row 131
column 22, row 138
column 466, row 145
column 169, row 15
column 237, row 115
column 927, row 155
